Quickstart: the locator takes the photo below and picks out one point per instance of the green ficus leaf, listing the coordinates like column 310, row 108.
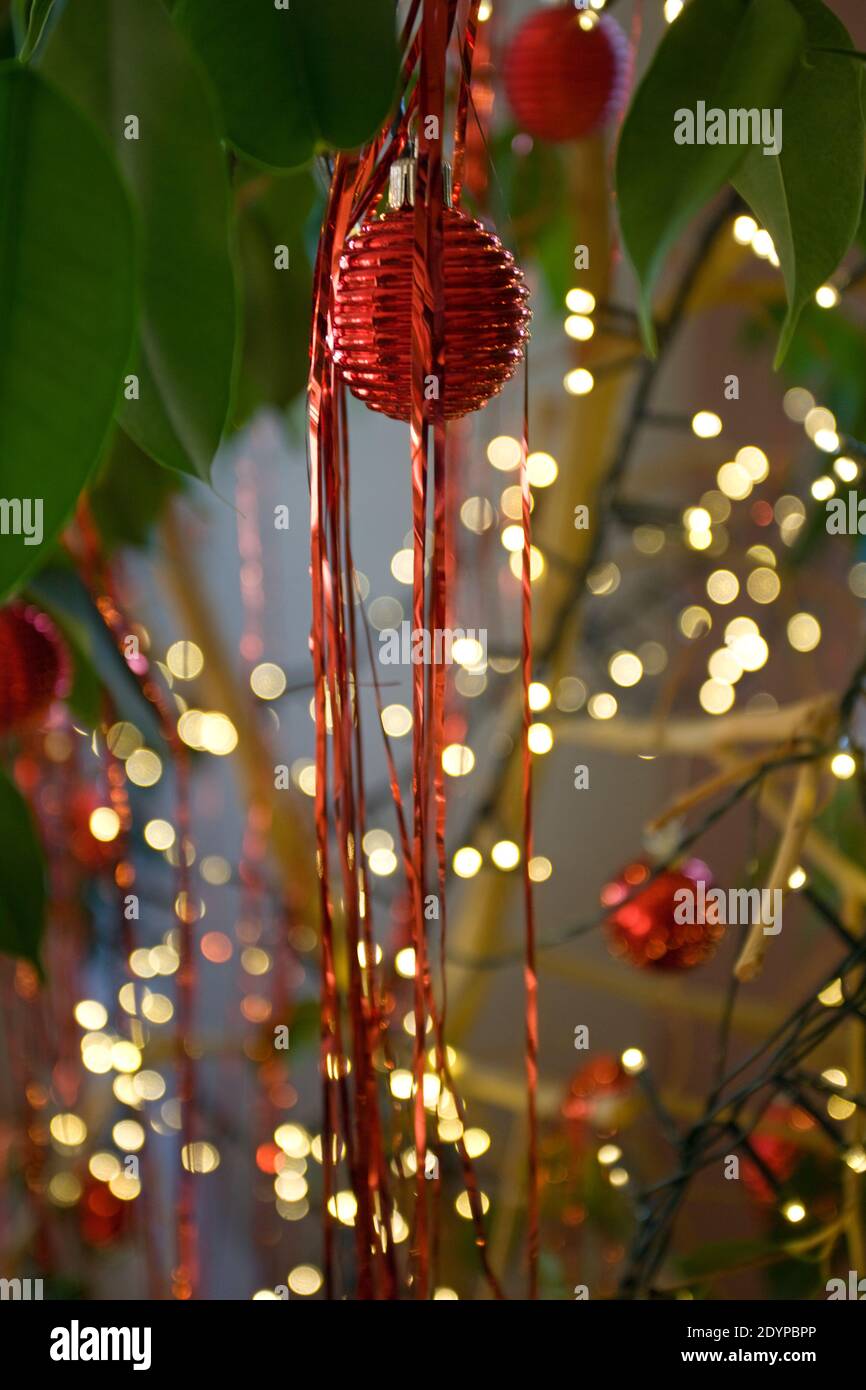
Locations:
column 37, row 19
column 67, row 297
column 728, row 54
column 809, row 196
column 63, row 595
column 290, row 77
column 22, row 876
column 128, row 496
column 276, row 301
column 127, row 66
column 87, row 687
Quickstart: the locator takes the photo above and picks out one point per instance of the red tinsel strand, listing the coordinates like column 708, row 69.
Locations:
column 467, row 53
column 328, row 976
column 443, row 1068
column 320, row 412
column 343, row 695
column 428, row 364
column 369, row 177
column 440, row 623
column 415, row 889
column 350, row 183
column 371, row 1004
column 336, row 696
column 530, row 971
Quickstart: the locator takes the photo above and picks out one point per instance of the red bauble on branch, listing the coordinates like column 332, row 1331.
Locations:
column 486, row 315
column 34, row 667
column 643, row 928
column 599, row 1099
column 103, row 1218
column 562, row 80
column 775, row 1144
column 95, row 855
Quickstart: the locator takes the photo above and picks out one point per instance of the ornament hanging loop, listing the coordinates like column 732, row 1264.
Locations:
column 403, row 181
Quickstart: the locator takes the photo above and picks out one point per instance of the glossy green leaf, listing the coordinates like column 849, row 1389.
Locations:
column 128, row 496
column 37, row 18
column 277, row 301
column 22, row 876
column 124, row 62
column 67, row 293
column 729, row 54
column 87, row 687
column 810, row 195
column 62, row 594
column 289, row 77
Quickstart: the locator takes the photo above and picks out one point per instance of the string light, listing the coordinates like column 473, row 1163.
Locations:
column 744, row 229
column 846, row 469
column 466, row 862
column 633, row 1061
column 625, row 668
column 579, row 381
column 540, row 738
column 457, row 760
column 505, row 854
column 580, row 301
column 541, row 469
column 602, row 706
column 804, row 632
column 794, row 1212
column 579, row 327
column 504, row 453
column 706, row 424
column 185, row 660
column 843, row 766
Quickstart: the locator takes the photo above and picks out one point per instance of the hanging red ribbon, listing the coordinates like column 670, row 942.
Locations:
column 530, row 971
column 351, row 1113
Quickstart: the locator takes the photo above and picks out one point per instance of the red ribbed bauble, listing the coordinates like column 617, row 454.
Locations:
column 564, row 81
column 34, row 667
column 642, row 928
column 486, row 315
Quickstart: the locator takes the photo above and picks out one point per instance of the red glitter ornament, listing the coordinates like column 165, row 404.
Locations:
column 486, row 315
column 643, row 928
column 34, row 667
column 562, row 80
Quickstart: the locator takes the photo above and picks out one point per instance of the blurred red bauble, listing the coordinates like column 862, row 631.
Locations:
column 486, row 315
column 34, row 667
column 94, row 854
column 103, row 1218
column 642, row 928
column 776, row 1146
column 562, row 80
column 598, row 1098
